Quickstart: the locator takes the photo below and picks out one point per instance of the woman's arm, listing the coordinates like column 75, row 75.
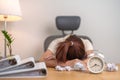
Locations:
column 49, row 59
column 74, row 61
column 89, row 52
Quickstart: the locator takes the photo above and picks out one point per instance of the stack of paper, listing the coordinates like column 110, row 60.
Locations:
column 15, row 67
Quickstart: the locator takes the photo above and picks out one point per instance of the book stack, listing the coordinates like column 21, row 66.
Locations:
column 13, row 66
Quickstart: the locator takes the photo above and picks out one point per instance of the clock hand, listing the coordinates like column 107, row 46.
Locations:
column 95, row 65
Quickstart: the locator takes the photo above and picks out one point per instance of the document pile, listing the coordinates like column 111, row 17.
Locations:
column 15, row 67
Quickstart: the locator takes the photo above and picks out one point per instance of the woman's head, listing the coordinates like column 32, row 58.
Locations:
column 71, row 48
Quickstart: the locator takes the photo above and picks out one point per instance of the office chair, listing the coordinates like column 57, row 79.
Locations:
column 65, row 23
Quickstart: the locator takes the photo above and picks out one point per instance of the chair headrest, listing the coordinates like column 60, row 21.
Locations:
column 68, row 22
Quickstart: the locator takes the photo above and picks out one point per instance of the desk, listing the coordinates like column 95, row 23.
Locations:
column 74, row 75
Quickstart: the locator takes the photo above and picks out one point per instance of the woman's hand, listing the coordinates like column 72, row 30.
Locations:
column 72, row 63
column 49, row 59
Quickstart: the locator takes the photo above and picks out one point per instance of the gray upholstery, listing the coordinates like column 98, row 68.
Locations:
column 65, row 23
column 49, row 39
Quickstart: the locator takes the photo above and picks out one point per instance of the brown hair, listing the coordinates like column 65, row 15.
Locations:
column 71, row 48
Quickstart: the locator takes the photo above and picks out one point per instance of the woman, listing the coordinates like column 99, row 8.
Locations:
column 67, row 51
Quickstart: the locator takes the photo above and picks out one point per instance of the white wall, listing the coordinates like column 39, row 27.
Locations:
column 100, row 21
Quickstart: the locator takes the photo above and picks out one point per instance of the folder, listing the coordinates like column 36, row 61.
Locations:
column 23, row 64
column 9, row 61
column 38, row 71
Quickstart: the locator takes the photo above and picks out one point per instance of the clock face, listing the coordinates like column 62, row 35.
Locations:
column 95, row 64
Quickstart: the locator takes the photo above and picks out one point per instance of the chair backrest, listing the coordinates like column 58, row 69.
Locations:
column 65, row 23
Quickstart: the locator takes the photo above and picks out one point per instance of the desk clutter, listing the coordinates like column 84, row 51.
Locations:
column 13, row 66
column 80, row 67
column 95, row 64
column 77, row 66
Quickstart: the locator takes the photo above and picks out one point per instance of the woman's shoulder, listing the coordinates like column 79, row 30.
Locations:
column 61, row 39
column 88, row 45
column 84, row 40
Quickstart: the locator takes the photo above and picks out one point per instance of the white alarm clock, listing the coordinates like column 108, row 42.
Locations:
column 96, row 63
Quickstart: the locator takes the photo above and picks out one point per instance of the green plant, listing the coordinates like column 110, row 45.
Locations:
column 9, row 40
